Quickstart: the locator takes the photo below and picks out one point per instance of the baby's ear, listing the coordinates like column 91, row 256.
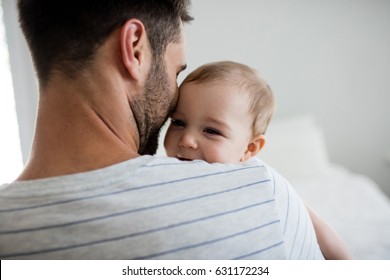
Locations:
column 254, row 147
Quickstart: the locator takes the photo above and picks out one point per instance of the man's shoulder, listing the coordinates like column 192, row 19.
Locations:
column 198, row 168
column 148, row 171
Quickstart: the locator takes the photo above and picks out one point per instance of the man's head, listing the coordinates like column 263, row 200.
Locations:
column 64, row 35
column 65, row 38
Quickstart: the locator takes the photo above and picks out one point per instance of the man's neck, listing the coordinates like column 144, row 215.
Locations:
column 80, row 129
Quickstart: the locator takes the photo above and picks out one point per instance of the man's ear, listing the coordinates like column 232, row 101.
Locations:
column 254, row 147
column 134, row 47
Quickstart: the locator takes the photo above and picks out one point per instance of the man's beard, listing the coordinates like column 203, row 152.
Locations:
column 152, row 107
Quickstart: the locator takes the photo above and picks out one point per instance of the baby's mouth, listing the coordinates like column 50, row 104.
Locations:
column 183, row 159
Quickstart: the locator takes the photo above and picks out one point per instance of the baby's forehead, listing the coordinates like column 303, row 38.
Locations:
column 216, row 96
column 236, row 85
column 223, row 89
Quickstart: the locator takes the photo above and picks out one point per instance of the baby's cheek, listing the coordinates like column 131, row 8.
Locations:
column 220, row 154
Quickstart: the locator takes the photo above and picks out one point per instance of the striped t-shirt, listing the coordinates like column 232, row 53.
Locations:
column 157, row 208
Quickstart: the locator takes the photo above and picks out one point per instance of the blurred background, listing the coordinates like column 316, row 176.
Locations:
column 329, row 59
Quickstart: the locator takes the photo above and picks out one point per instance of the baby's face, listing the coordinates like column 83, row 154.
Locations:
column 211, row 122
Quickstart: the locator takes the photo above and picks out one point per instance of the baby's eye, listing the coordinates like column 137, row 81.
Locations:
column 212, row 131
column 176, row 122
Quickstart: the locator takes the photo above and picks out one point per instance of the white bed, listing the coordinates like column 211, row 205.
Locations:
column 351, row 203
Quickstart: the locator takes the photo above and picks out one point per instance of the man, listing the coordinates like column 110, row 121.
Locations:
column 107, row 73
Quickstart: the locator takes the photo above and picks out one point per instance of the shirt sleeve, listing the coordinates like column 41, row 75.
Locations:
column 297, row 228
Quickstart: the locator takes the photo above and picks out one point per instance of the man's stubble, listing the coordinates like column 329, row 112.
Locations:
column 152, row 108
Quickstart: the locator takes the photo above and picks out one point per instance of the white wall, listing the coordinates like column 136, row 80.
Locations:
column 24, row 82
column 329, row 58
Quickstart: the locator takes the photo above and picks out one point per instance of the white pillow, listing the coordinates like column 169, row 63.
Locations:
column 295, row 147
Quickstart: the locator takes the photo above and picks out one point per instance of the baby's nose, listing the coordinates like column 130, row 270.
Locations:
column 188, row 140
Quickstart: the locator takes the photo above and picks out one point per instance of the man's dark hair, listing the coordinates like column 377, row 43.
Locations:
column 64, row 34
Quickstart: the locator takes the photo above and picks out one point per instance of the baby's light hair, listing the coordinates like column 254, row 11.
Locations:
column 247, row 79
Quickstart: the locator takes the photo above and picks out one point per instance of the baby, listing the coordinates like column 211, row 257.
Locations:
column 222, row 114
